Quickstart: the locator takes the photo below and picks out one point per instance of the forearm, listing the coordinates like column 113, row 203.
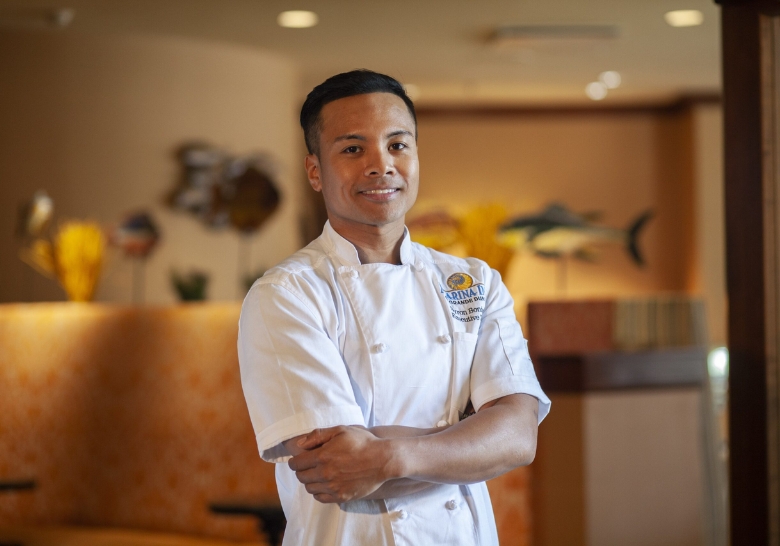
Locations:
column 390, row 431
column 397, row 431
column 401, row 486
column 344, row 463
column 497, row 439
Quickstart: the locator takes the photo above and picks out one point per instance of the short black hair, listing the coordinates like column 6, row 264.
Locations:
column 346, row 84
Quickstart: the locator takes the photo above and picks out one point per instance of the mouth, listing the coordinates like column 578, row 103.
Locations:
column 384, row 191
column 380, row 194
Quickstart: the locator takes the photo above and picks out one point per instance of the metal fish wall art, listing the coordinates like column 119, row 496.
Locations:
column 557, row 232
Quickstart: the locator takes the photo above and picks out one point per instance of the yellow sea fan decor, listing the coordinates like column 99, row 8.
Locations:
column 79, row 252
column 75, row 258
column 468, row 232
column 479, row 230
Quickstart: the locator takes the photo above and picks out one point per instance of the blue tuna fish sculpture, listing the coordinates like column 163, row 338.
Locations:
column 558, row 232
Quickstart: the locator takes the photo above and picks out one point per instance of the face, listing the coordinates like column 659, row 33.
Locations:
column 367, row 168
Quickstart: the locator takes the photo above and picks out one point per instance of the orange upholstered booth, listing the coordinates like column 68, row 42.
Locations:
column 133, row 417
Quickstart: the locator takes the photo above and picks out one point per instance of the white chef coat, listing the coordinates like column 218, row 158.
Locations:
column 325, row 340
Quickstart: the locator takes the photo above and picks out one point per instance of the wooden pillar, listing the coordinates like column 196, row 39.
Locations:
column 751, row 42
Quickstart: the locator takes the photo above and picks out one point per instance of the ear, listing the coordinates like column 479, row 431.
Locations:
column 313, row 172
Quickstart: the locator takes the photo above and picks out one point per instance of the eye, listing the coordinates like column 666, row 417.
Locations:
column 351, row 150
column 398, row 146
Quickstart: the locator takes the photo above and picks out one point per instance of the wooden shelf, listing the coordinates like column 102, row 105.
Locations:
column 604, row 371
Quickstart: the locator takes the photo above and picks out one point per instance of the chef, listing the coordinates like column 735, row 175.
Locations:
column 388, row 381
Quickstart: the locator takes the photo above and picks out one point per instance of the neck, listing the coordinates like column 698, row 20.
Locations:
column 374, row 244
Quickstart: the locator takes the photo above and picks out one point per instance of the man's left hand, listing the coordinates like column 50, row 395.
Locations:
column 342, row 463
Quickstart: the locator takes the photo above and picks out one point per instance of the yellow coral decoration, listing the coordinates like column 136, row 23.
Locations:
column 479, row 231
column 471, row 233
column 75, row 258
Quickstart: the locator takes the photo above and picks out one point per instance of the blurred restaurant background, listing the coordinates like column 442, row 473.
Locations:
column 151, row 170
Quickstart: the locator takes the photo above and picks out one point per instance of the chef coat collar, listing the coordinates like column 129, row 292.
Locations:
column 347, row 252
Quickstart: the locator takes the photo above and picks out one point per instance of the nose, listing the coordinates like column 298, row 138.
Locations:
column 379, row 163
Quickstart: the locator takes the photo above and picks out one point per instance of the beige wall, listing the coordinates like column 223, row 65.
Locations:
column 617, row 162
column 616, row 468
column 94, row 120
column 646, row 441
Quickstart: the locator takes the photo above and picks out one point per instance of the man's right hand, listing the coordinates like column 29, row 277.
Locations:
column 342, row 463
column 392, row 488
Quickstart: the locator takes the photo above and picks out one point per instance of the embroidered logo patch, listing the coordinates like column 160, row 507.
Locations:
column 460, row 281
column 466, row 297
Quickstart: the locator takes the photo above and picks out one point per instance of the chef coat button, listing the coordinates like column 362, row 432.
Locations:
column 380, row 348
column 353, row 274
column 451, row 505
column 418, row 266
column 442, row 423
column 402, row 514
column 445, row 338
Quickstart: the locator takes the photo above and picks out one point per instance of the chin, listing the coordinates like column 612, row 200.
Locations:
column 388, row 217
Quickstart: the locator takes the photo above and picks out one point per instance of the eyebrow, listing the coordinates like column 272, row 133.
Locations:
column 349, row 137
column 352, row 136
column 400, row 132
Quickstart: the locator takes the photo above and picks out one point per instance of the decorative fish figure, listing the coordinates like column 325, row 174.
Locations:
column 199, row 181
column 250, row 198
column 558, row 232
column 225, row 191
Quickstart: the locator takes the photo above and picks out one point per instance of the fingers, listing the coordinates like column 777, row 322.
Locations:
column 304, row 461
column 318, row 436
column 332, row 463
column 311, row 441
column 311, row 475
column 326, row 499
column 309, row 458
column 324, row 493
column 318, row 484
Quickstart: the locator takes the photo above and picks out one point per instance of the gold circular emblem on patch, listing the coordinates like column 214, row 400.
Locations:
column 459, row 281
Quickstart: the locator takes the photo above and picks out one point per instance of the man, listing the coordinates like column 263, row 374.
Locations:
column 361, row 353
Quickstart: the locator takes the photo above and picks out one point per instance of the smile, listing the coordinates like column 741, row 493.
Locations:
column 379, row 192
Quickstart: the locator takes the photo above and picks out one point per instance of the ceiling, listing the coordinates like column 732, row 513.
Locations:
column 442, row 46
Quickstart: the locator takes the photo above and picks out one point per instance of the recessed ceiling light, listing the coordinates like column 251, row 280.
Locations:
column 611, row 79
column 684, row 17
column 57, row 17
column 596, row 90
column 297, row 19
column 62, row 17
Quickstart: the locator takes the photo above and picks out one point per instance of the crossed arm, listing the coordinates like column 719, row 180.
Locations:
column 345, row 463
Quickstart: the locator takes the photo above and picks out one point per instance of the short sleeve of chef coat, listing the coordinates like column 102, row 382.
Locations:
column 502, row 365
column 292, row 373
